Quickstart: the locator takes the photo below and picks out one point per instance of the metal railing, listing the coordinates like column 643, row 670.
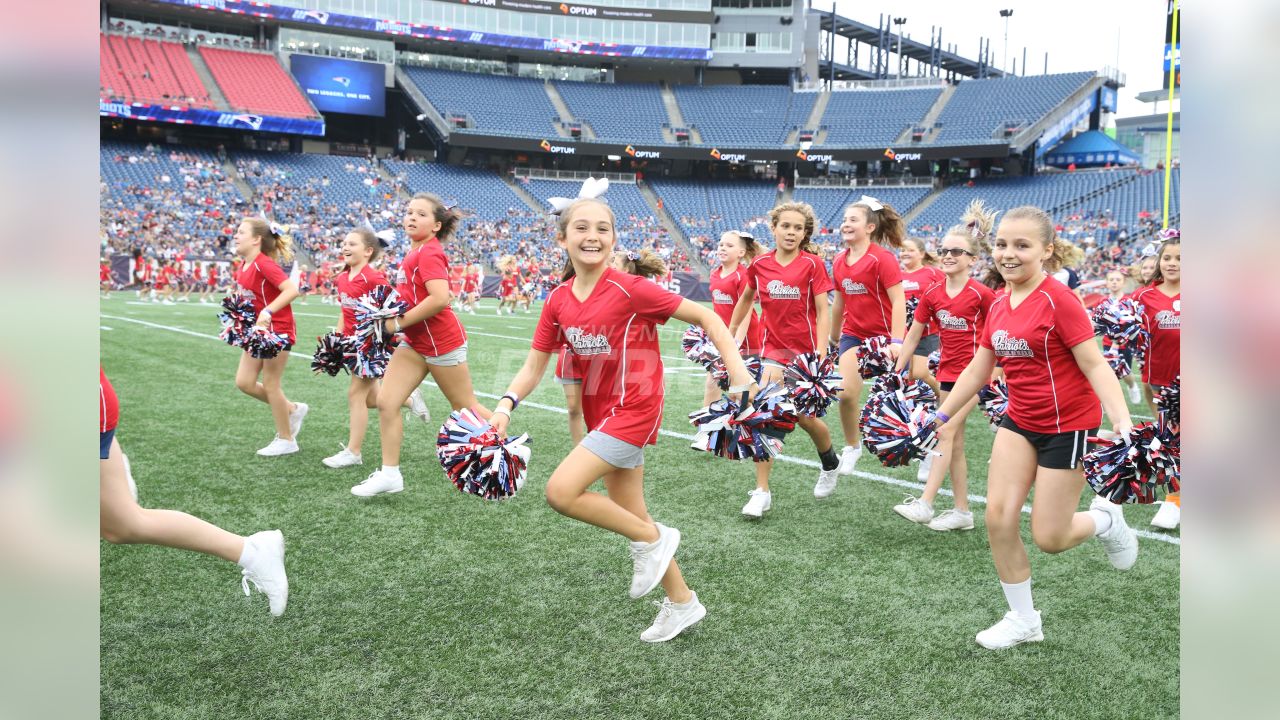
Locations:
column 837, row 181
column 546, row 174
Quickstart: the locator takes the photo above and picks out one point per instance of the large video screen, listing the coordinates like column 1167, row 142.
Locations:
column 344, row 86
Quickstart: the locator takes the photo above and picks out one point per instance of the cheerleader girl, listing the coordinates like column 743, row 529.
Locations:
column 609, row 320
column 869, row 302
column 1162, row 319
column 507, row 286
column 104, row 278
column 262, row 248
column 212, row 283
column 434, row 343
column 123, row 521
column 919, row 272
column 792, row 284
column 1116, row 282
column 958, row 307
column 360, row 248
column 735, row 251
column 1056, row 375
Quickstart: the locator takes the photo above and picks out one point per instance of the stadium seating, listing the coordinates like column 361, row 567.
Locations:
column 618, row 113
column 477, row 191
column 874, row 118
column 829, row 203
column 744, row 115
column 256, row 82
column 142, row 70
column 498, row 104
column 979, row 108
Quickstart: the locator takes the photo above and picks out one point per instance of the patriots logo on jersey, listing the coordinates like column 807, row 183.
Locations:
column 779, row 290
column 1006, row 346
column 853, row 288
column 720, row 297
column 951, row 322
column 1168, row 320
column 584, row 343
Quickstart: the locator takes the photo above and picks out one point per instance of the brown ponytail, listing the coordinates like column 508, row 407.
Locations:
column 890, row 230
column 448, row 217
column 645, row 263
column 369, row 240
column 975, row 226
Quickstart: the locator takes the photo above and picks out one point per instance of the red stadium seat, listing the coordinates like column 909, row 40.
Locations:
column 143, row 70
column 256, row 82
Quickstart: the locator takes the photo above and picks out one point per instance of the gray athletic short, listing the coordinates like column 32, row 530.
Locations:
column 928, row 343
column 614, row 451
column 457, row 356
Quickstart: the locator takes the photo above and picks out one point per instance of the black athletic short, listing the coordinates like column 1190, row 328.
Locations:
column 927, row 344
column 1055, row 451
column 946, row 386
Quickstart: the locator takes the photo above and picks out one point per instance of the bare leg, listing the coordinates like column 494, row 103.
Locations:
column 455, row 383
column 850, row 398
column 360, row 394
column 626, row 488
column 405, row 372
column 567, row 494
column 1013, row 469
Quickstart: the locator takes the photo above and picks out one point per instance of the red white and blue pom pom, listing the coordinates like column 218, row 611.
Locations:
column 754, row 432
column 477, row 461
column 874, row 357
column 698, row 347
column 897, row 430
column 371, row 309
column 366, row 357
column 1120, row 320
column 263, row 343
column 814, row 381
column 911, row 305
column 1133, row 469
column 1118, row 361
column 237, row 318
column 720, row 373
column 935, row 362
column 1169, row 403
column 915, row 391
column 330, row 357
column 994, row 399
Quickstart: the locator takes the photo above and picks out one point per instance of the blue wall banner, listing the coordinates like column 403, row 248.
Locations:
column 340, row 21
column 214, row 118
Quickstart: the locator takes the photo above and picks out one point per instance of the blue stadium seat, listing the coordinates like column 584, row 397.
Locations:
column 744, row 115
column 874, row 118
column 979, row 109
column 630, row 114
column 499, row 104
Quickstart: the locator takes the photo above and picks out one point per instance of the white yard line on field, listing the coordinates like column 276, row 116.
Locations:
column 977, row 499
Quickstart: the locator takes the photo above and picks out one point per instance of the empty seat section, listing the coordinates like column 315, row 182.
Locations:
column 496, row 104
column 978, row 110
column 874, row 118
column 631, row 114
column 744, row 115
column 257, row 83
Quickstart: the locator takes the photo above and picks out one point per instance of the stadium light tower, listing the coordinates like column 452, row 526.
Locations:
column 1006, row 14
column 899, row 22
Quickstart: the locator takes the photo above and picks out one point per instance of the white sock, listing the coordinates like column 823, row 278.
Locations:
column 248, row 554
column 391, row 469
column 1101, row 521
column 1019, row 597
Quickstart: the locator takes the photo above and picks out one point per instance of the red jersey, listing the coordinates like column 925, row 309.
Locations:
column 104, row 272
column 786, row 296
column 441, row 333
column 865, row 286
column 507, row 287
column 144, row 273
column 262, row 278
column 108, row 404
column 470, row 281
column 1162, row 319
column 197, row 272
column 914, row 284
column 959, row 320
column 354, row 287
column 213, row 274
column 614, row 341
column 165, row 277
column 455, row 280
column 1048, row 393
column 725, row 291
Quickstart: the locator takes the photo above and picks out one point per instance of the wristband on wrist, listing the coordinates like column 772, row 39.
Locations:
column 514, row 398
column 739, row 388
column 502, row 411
column 893, row 340
column 397, row 324
column 942, row 417
column 267, row 310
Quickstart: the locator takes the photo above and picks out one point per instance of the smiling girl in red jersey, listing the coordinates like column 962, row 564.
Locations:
column 1056, row 374
column 262, row 248
column 792, row 284
column 434, row 343
column 958, row 308
column 122, row 521
column 727, row 283
column 609, row 319
column 360, row 248
column 1162, row 319
column 869, row 303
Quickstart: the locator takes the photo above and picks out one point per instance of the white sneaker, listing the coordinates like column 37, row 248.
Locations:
column 166, row 302
column 267, row 570
column 1013, row 629
column 922, row 473
column 279, row 446
column 952, row 519
column 379, row 482
column 826, row 484
column 1167, row 516
column 651, row 560
column 760, row 502
column 1135, row 394
column 673, row 618
column 915, row 510
column 848, row 457
column 1120, row 542
column 128, row 475
column 418, row 406
column 296, row 417
column 345, row 458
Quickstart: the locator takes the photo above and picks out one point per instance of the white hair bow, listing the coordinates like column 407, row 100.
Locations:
column 591, row 189
column 386, row 237
column 870, row 202
column 276, row 229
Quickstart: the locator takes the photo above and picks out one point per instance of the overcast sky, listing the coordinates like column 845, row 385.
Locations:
column 1080, row 35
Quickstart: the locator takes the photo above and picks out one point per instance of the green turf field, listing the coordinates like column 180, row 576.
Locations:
column 433, row 604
